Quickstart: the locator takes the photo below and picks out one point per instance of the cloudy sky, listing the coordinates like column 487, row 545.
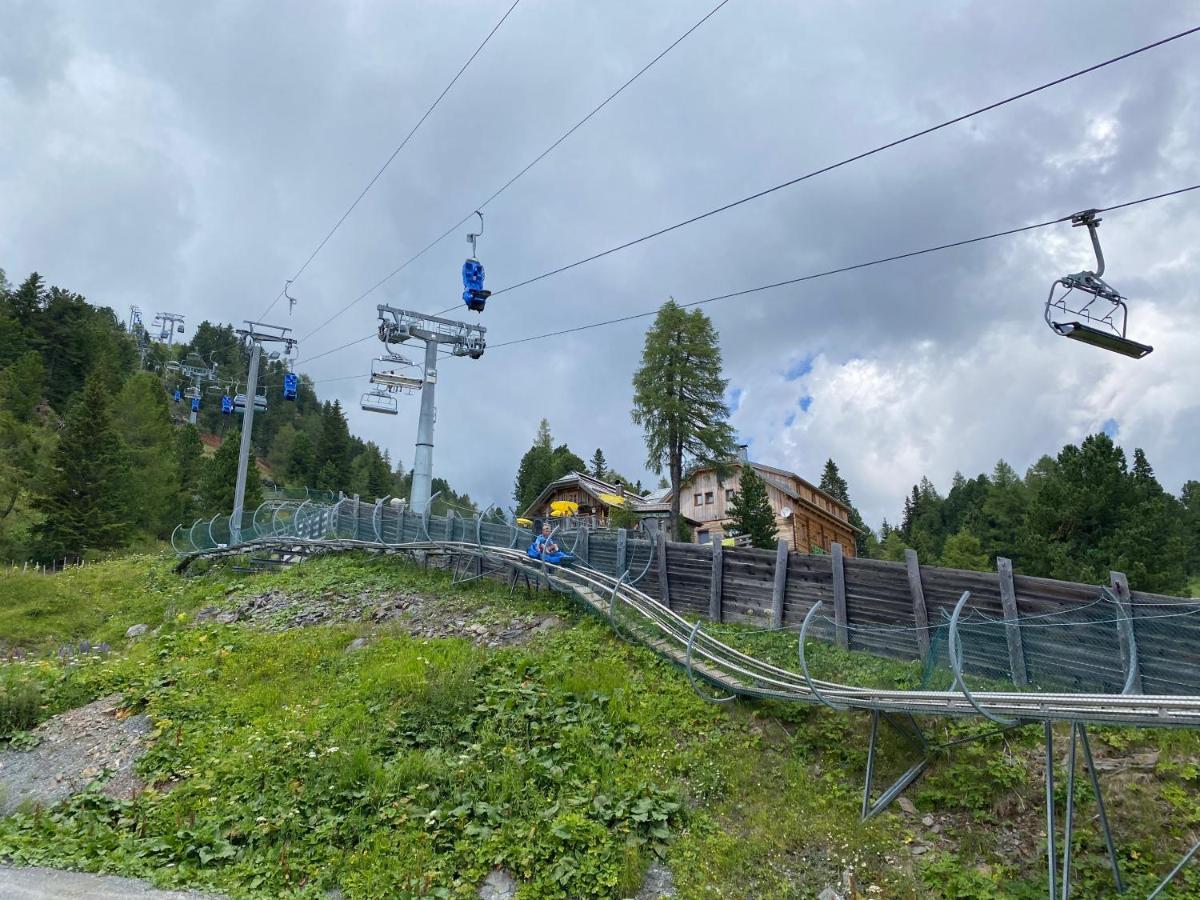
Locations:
column 189, row 157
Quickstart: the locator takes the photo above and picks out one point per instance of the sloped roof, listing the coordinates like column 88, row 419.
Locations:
column 590, row 485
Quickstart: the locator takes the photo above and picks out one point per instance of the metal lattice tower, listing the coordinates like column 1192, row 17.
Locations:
column 462, row 339
column 256, row 334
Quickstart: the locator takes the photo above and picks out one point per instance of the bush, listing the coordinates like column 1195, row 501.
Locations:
column 20, row 700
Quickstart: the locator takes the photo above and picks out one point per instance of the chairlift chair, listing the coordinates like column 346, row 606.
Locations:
column 380, row 401
column 472, row 274
column 178, row 395
column 289, row 386
column 226, row 405
column 1100, row 311
column 239, row 403
column 383, row 373
column 195, row 404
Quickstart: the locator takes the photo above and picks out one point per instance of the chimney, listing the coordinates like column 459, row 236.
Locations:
column 743, row 453
column 621, row 489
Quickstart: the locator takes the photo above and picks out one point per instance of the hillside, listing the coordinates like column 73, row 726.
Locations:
column 361, row 724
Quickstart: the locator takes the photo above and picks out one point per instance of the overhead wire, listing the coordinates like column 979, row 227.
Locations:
column 848, row 160
column 370, row 184
column 537, row 159
column 841, row 269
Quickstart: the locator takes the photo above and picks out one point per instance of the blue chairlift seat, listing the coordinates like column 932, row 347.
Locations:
column 226, row 404
column 178, row 395
column 473, row 293
column 289, row 386
column 195, row 404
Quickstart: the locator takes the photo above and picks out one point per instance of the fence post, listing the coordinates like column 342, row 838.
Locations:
column 584, row 552
column 777, row 592
column 920, row 612
column 1012, row 622
column 840, row 620
column 714, row 588
column 1126, row 638
column 664, row 586
column 622, row 551
column 449, row 524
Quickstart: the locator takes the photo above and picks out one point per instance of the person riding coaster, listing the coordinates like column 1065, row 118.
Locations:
column 546, row 549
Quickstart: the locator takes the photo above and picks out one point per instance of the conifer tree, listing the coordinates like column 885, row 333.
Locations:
column 679, row 398
column 145, row 427
column 866, row 544
column 218, row 480
column 190, row 452
column 85, row 501
column 599, row 464
column 751, row 512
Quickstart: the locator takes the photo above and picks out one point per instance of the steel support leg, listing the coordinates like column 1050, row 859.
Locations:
column 1108, row 838
column 916, row 739
column 1069, row 822
column 1051, row 854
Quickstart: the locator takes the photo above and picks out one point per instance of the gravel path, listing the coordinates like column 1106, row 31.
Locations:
column 51, row 884
column 73, row 750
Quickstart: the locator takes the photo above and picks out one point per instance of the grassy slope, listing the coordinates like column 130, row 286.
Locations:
column 285, row 765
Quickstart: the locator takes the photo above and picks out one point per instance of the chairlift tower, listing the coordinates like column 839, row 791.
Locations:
column 255, row 334
column 167, row 324
column 400, row 325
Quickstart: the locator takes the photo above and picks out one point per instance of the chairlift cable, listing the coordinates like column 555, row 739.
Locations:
column 537, row 159
column 395, row 153
column 841, row 269
column 848, row 160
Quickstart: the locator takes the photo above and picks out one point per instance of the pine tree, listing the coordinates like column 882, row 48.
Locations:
column 833, row 484
column 218, row 480
column 679, row 398
column 599, row 464
column 333, row 447
column 751, row 512
column 544, row 440
column 301, row 461
column 22, row 386
column 190, row 452
column 85, row 501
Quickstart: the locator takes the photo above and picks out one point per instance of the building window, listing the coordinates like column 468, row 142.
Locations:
column 729, row 495
column 708, row 497
column 705, row 537
column 697, row 499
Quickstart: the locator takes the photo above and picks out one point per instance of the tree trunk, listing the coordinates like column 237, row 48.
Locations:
column 676, row 465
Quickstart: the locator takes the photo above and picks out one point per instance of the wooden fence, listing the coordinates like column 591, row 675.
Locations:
column 1030, row 630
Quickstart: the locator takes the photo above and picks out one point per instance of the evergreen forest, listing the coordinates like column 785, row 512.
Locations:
column 97, row 455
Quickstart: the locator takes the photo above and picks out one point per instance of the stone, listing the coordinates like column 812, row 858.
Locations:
column 919, row 850
column 927, row 821
column 937, row 829
column 658, row 883
column 226, row 618
column 829, row 894
column 357, row 644
column 499, row 885
column 907, row 805
column 136, row 630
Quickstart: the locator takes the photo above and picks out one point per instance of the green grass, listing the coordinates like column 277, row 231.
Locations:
column 284, row 766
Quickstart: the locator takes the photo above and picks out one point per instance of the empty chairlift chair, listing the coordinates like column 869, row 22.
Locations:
column 1089, row 310
column 380, row 401
column 289, row 386
column 386, row 374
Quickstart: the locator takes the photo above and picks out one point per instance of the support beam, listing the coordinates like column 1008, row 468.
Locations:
column 714, row 592
column 920, row 612
column 1012, row 623
column 622, row 552
column 841, row 621
column 780, row 586
column 584, row 551
column 664, row 581
column 1125, row 632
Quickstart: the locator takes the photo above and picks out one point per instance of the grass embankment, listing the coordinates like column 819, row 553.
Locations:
column 284, row 765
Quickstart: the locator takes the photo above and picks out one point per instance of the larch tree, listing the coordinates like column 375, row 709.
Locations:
column 218, row 480
column 751, row 512
column 679, row 398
